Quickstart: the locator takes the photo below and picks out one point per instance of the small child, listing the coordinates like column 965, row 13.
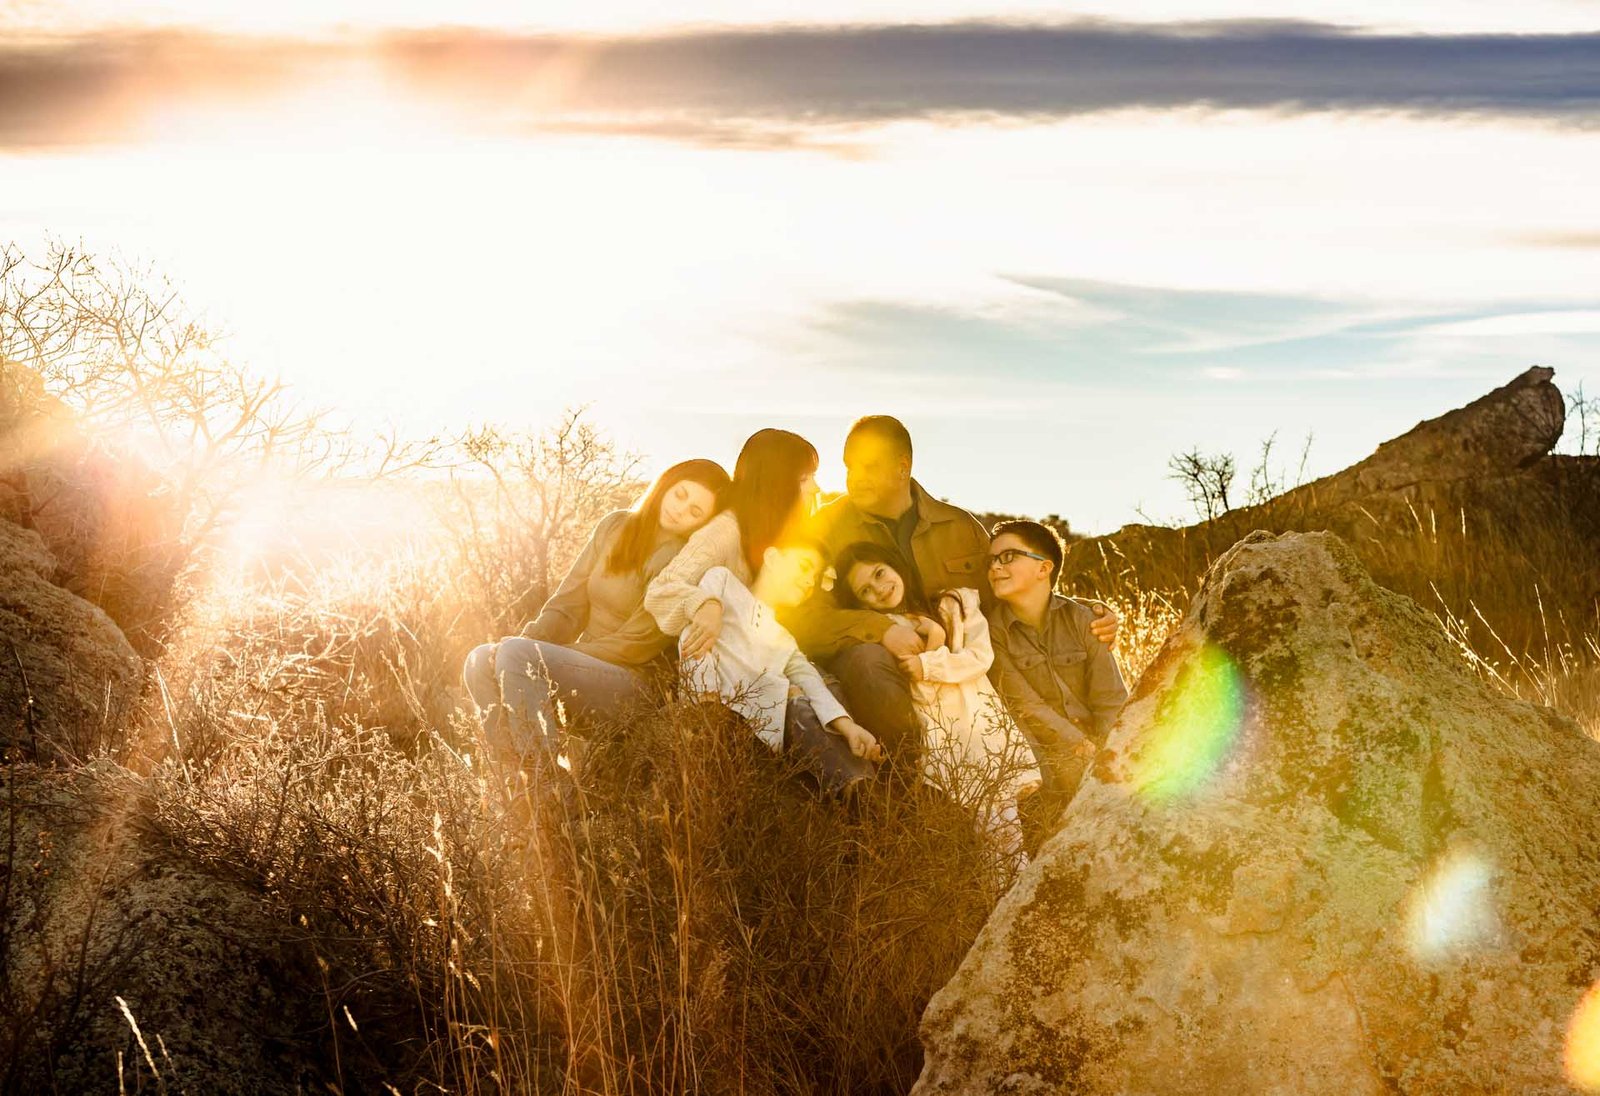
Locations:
column 756, row 667
column 962, row 716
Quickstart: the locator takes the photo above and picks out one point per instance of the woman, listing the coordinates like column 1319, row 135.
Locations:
column 774, row 487
column 593, row 645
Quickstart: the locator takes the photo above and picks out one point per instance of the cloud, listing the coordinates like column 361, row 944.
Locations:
column 1152, row 337
column 1564, row 241
column 750, row 86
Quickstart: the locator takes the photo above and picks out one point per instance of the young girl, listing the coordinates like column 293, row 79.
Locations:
column 967, row 732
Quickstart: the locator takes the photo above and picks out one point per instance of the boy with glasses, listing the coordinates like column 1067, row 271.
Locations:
column 1058, row 681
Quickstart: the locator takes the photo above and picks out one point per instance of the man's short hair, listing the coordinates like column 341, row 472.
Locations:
column 886, row 427
column 1039, row 538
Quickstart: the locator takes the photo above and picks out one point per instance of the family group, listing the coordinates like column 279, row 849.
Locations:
column 886, row 631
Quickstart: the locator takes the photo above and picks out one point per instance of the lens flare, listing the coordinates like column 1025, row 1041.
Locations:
column 1583, row 1043
column 1452, row 909
column 1195, row 730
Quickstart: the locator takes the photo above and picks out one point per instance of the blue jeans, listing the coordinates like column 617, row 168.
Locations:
column 516, row 683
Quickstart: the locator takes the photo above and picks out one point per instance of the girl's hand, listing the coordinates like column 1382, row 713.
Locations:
column 704, row 628
column 912, row 667
column 902, row 641
column 862, row 743
column 949, row 613
column 931, row 632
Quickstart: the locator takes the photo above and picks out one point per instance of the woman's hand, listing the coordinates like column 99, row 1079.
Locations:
column 912, row 667
column 862, row 743
column 702, row 632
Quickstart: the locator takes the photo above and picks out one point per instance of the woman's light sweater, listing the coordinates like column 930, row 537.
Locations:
column 675, row 595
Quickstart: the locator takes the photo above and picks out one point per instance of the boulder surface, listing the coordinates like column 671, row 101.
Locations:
column 68, row 676
column 1319, row 856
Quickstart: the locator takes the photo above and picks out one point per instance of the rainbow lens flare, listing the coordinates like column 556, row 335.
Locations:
column 1583, row 1043
column 1195, row 729
column 1452, row 909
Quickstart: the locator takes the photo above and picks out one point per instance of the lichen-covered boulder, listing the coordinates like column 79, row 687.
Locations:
column 1320, row 857
column 68, row 677
column 124, row 968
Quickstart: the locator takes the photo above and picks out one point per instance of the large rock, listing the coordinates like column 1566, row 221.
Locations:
column 68, row 676
column 114, row 528
column 1321, row 857
column 102, row 931
column 1469, row 508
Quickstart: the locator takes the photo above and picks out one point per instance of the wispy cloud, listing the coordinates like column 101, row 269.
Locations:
column 1154, row 336
column 763, row 84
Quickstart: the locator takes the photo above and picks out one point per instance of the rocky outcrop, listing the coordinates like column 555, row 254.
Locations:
column 68, row 677
column 103, row 933
column 1470, row 504
column 1319, row 857
column 112, row 526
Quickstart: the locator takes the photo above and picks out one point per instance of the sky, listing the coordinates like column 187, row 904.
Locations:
column 1061, row 244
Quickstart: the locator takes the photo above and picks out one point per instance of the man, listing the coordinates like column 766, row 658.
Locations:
column 948, row 547
column 1058, row 681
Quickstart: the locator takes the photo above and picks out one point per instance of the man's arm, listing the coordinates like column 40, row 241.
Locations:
column 823, row 629
column 1106, row 624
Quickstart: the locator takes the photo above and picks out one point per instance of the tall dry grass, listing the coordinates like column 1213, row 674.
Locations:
column 678, row 915
column 681, row 914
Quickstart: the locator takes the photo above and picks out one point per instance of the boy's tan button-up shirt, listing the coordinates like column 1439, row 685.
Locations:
column 1058, row 679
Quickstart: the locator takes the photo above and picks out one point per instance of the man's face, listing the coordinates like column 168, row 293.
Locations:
column 877, row 474
column 794, row 574
column 1022, row 576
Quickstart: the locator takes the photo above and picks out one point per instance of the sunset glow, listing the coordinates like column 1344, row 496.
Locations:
column 428, row 225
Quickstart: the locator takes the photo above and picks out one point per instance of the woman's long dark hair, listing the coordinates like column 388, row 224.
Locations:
column 766, row 488
column 865, row 551
column 638, row 535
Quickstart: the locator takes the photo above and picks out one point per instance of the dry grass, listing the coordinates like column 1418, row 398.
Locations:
column 683, row 915
column 679, row 916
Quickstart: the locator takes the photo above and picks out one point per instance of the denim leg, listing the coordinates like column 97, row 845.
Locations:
column 826, row 755
column 477, row 674
column 533, row 675
column 877, row 695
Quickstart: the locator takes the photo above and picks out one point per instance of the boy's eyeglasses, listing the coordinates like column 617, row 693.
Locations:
column 1011, row 555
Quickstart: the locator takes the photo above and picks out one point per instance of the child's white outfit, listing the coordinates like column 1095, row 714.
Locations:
column 966, row 728
column 757, row 669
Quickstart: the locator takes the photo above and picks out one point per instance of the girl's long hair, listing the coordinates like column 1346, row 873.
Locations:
column 638, row 535
column 865, row 551
column 766, row 488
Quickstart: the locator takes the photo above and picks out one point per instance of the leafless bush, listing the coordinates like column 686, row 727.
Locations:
column 535, row 496
column 1582, row 431
column 1205, row 479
